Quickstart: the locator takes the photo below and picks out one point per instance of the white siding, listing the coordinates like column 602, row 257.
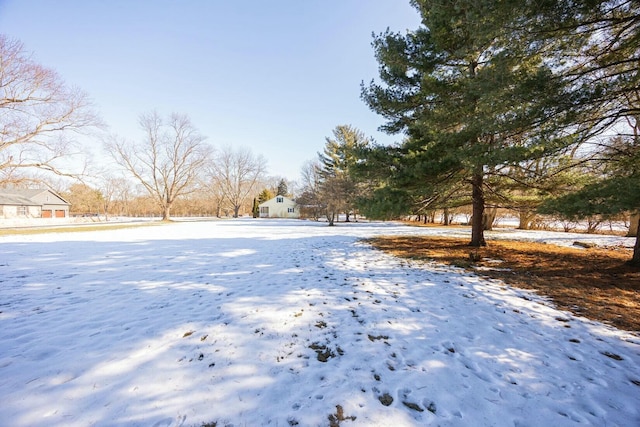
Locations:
column 279, row 207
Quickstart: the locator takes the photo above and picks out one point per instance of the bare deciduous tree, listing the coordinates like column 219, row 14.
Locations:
column 115, row 190
column 235, row 173
column 38, row 113
column 309, row 199
column 217, row 196
column 167, row 162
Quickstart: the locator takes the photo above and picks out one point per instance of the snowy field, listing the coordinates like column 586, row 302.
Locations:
column 291, row 323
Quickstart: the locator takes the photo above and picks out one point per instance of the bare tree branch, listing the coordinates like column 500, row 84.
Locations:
column 167, row 161
column 38, row 115
column 235, row 174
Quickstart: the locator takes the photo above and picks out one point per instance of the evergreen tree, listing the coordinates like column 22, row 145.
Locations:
column 523, row 188
column 617, row 190
column 283, row 190
column 265, row 195
column 607, row 63
column 471, row 98
column 397, row 186
column 602, row 61
column 337, row 163
column 255, row 208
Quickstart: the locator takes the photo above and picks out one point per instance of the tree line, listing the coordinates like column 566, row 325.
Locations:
column 41, row 119
column 531, row 106
column 174, row 161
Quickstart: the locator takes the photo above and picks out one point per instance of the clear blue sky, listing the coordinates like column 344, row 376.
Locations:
column 275, row 76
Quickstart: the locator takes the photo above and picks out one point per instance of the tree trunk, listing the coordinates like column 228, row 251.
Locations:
column 526, row 218
column 592, row 224
column 633, row 224
column 446, row 216
column 488, row 218
column 236, row 211
column 477, row 196
column 347, row 219
column 331, row 218
column 635, row 259
column 166, row 212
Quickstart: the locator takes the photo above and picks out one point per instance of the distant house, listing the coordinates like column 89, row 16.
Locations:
column 19, row 203
column 279, row 207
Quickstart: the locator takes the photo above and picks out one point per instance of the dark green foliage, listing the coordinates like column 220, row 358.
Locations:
column 606, row 197
column 472, row 99
column 617, row 190
column 385, row 204
column 255, row 210
column 338, row 189
column 403, row 182
column 265, row 195
column 283, row 190
column 497, row 96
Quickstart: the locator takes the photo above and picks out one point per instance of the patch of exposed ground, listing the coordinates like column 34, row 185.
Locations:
column 594, row 282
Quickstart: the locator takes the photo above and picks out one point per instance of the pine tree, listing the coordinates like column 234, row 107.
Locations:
column 255, row 208
column 283, row 190
column 339, row 188
column 265, row 195
column 472, row 100
column 607, row 64
column 617, row 190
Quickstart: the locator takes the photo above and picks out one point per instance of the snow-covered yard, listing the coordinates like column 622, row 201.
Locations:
column 285, row 323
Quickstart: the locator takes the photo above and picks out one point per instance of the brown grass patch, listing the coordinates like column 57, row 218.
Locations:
column 73, row 228
column 594, row 283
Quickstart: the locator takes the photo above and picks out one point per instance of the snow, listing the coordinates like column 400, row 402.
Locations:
column 277, row 322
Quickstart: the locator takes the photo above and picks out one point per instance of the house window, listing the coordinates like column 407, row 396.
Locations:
column 279, row 200
column 290, row 210
column 22, row 211
column 264, row 209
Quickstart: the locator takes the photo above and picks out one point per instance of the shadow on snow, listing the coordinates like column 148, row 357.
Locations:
column 282, row 326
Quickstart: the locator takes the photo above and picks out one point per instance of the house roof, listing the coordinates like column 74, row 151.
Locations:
column 286, row 200
column 23, row 197
column 15, row 199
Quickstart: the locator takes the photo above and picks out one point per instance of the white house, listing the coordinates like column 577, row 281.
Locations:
column 279, row 207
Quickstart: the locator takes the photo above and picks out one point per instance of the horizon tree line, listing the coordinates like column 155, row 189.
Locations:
column 529, row 106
